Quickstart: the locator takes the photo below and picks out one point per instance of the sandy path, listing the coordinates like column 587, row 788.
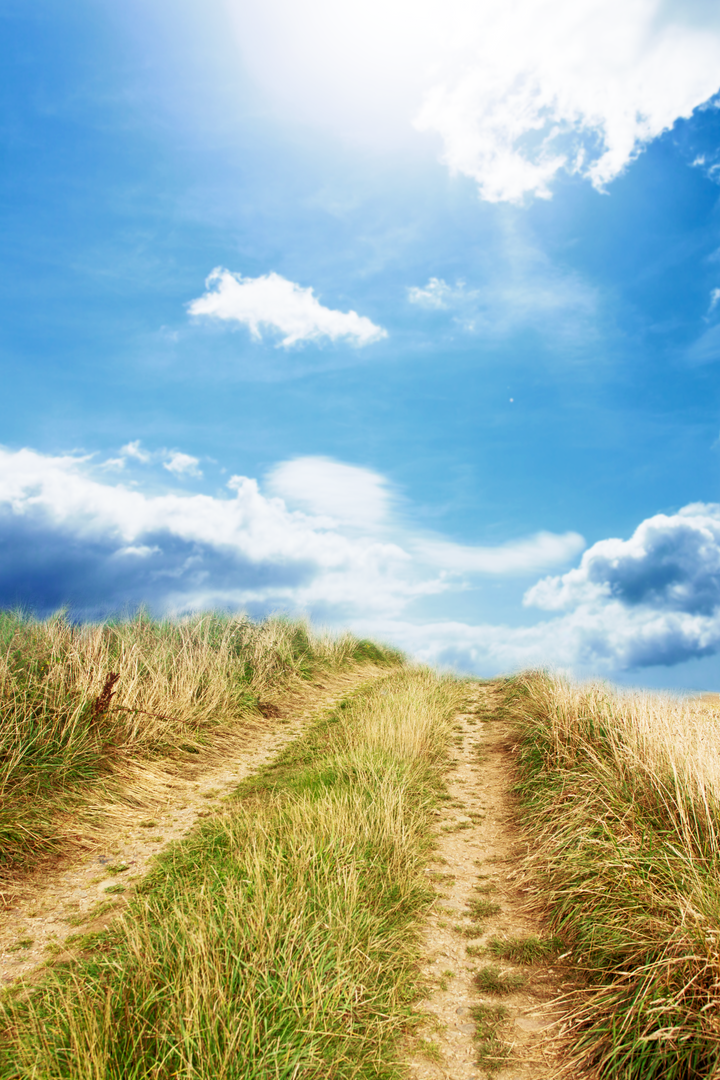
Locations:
column 479, row 844
column 85, row 893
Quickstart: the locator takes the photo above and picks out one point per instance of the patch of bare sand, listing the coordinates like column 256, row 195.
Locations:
column 480, row 845
column 118, row 837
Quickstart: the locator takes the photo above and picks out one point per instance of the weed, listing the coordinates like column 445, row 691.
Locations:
column 22, row 943
column 492, row 1051
column 524, row 950
column 482, row 908
column 491, row 980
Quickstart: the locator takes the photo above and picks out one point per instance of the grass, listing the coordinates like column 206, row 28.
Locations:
column 526, row 949
column 490, row 979
column 482, row 908
column 80, row 706
column 282, row 938
column 493, row 1051
column 621, row 794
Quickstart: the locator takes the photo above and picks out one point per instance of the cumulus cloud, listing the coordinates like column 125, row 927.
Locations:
column 321, row 539
column 559, row 84
column 517, row 92
column 280, row 306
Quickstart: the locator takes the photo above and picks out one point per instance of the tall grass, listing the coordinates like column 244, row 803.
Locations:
column 622, row 792
column 281, row 940
column 79, row 702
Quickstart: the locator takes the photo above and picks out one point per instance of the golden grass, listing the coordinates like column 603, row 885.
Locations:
column 80, row 704
column 622, row 794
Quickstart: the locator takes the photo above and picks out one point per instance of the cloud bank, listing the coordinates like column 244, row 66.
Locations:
column 280, row 306
column 324, row 537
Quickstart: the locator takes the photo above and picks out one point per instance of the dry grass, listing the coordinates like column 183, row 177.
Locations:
column 80, row 705
column 282, row 939
column 622, row 792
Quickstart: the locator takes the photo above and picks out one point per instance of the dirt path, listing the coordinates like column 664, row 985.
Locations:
column 478, row 859
column 86, row 893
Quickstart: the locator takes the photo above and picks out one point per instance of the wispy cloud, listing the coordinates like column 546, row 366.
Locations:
column 273, row 303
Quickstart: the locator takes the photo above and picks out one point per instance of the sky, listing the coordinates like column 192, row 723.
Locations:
column 401, row 316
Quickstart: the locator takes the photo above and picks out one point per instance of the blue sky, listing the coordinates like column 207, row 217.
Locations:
column 402, row 315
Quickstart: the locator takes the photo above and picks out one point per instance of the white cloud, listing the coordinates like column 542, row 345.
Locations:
column 437, row 294
column 180, row 464
column 563, row 84
column 70, row 538
column 521, row 288
column 653, row 599
column 135, row 450
column 714, row 300
column 346, row 493
column 516, row 91
column 274, row 303
column 518, row 557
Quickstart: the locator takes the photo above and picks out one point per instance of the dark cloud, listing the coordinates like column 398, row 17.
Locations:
column 44, row 567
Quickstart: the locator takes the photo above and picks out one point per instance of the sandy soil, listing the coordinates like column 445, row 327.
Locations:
column 120, row 837
column 479, row 843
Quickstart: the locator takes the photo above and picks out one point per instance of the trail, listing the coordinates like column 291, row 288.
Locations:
column 122, row 836
column 480, row 844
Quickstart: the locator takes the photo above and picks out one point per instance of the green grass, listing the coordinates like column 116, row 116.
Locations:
column 527, row 949
column 621, row 796
column 482, row 908
column 79, row 704
column 490, row 979
column 282, row 939
column 492, row 1051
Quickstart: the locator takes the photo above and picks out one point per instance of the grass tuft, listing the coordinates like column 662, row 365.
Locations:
column 492, row 980
column 529, row 949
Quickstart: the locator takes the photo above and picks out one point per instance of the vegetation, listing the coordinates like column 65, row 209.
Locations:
column 81, row 703
column 281, row 938
column 622, row 794
column 525, row 949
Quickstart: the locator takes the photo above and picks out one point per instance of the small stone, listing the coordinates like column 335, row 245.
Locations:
column 467, row 1029
column 461, row 1010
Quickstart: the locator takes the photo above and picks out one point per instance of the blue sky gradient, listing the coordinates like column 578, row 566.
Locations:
column 546, row 381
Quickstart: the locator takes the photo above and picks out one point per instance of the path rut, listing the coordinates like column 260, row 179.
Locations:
column 479, row 855
column 86, row 893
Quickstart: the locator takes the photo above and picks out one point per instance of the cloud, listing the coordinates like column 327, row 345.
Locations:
column 180, row 464
column 521, row 288
column 519, row 557
column 346, row 493
column 276, row 304
column 437, row 294
column 323, row 537
column 135, row 450
column 562, row 85
column 70, row 538
column 714, row 300
column 517, row 92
